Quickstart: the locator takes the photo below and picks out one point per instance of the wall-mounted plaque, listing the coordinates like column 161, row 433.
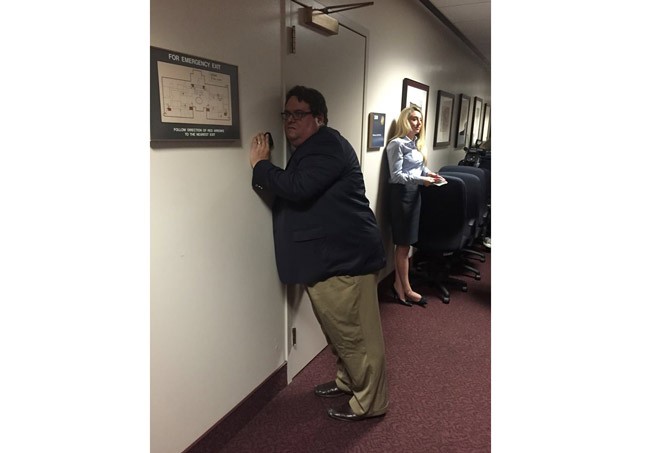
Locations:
column 376, row 130
column 193, row 98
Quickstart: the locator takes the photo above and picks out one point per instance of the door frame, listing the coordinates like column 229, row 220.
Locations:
column 343, row 22
column 286, row 38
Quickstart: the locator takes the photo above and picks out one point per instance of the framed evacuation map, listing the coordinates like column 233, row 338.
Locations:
column 192, row 98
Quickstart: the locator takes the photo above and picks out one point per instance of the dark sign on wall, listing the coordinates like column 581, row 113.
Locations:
column 376, row 130
column 193, row 98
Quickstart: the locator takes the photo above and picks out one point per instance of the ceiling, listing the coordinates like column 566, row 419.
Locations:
column 472, row 18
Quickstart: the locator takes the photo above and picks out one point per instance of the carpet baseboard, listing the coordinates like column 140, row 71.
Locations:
column 222, row 431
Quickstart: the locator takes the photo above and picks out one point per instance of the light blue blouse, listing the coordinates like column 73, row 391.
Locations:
column 405, row 162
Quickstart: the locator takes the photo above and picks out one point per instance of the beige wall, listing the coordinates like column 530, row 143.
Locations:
column 217, row 307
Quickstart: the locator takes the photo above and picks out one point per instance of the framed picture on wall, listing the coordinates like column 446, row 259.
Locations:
column 444, row 111
column 463, row 120
column 485, row 134
column 476, row 121
column 415, row 93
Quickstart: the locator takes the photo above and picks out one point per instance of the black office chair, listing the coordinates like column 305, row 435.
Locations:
column 474, row 200
column 445, row 229
column 486, row 161
column 486, row 164
column 484, row 203
column 484, row 177
column 482, row 158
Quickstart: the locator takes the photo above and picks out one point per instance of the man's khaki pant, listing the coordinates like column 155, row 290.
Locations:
column 347, row 309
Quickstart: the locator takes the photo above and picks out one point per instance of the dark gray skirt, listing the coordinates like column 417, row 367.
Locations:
column 404, row 213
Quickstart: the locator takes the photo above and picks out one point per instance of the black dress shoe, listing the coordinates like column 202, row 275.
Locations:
column 404, row 302
column 422, row 302
column 329, row 390
column 345, row 413
column 400, row 301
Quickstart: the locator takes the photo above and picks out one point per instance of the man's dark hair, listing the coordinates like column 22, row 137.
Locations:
column 312, row 97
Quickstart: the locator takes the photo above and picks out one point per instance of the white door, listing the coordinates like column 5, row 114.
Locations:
column 335, row 66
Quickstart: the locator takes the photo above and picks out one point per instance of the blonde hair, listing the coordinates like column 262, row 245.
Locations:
column 403, row 127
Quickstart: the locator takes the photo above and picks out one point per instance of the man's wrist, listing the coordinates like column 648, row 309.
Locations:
column 254, row 163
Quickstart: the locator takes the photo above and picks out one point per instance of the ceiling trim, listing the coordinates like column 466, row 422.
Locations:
column 436, row 12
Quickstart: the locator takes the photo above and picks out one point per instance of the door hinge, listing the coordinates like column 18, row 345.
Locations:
column 293, row 336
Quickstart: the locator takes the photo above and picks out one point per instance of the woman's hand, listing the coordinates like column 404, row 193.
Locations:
column 428, row 180
column 436, row 177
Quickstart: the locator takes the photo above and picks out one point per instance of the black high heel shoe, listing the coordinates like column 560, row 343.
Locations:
column 400, row 301
column 422, row 302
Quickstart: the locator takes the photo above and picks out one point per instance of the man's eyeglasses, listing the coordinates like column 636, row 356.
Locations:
column 297, row 115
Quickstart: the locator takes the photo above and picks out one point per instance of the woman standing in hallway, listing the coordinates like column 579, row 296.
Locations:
column 407, row 174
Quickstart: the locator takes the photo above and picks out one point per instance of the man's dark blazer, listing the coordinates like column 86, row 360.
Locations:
column 322, row 222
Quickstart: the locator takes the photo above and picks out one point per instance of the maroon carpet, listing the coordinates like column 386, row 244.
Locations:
column 439, row 382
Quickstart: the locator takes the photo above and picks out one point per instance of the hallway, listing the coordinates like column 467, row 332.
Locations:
column 439, row 376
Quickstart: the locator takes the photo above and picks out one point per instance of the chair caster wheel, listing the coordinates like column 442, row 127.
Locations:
column 445, row 300
column 477, row 277
column 464, row 289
